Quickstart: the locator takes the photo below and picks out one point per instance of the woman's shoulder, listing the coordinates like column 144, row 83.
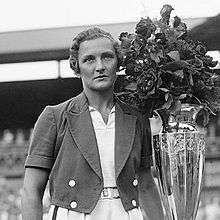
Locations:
column 128, row 108
column 61, row 106
column 66, row 105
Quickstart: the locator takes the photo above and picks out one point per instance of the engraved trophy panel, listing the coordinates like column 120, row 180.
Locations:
column 179, row 156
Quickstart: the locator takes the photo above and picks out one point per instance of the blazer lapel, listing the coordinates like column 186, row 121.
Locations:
column 125, row 125
column 81, row 128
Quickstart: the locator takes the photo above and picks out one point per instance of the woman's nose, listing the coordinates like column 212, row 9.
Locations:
column 99, row 65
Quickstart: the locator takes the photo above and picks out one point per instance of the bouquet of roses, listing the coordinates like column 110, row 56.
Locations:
column 164, row 68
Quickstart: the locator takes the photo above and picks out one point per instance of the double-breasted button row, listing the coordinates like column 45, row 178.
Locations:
column 135, row 183
column 72, row 183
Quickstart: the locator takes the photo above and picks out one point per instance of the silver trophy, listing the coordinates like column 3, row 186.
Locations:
column 179, row 157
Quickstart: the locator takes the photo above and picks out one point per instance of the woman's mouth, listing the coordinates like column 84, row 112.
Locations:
column 101, row 77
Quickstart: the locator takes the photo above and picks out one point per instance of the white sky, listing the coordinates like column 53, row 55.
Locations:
column 35, row 14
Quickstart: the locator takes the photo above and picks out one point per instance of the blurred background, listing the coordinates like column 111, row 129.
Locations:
column 34, row 72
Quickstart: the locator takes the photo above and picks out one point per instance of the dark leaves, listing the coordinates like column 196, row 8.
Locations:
column 166, row 68
column 175, row 65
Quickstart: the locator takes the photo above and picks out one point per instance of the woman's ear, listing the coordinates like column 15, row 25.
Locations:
column 77, row 73
column 76, row 69
column 74, row 65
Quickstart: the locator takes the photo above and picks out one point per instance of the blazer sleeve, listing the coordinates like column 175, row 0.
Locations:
column 146, row 153
column 43, row 138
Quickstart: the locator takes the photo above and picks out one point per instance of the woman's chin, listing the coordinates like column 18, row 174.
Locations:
column 103, row 86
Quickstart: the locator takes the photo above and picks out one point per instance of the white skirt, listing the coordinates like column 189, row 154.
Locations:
column 106, row 209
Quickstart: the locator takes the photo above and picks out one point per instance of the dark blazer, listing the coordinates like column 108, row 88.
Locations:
column 64, row 142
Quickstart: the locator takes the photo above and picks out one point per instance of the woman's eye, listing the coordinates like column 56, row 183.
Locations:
column 108, row 56
column 88, row 59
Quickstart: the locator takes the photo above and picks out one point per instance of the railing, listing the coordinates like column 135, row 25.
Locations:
column 12, row 160
column 213, row 148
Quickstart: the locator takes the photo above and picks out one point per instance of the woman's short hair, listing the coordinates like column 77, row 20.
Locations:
column 90, row 34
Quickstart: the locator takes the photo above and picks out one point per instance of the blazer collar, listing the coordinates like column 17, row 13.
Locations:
column 79, row 104
column 81, row 128
column 125, row 126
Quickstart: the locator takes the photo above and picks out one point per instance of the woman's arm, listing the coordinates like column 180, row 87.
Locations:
column 35, row 181
column 149, row 197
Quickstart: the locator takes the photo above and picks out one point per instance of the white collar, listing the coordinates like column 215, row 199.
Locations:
column 91, row 109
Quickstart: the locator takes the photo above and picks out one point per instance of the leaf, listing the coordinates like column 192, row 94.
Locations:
column 208, row 106
column 155, row 57
column 168, row 102
column 183, row 96
column 164, row 90
column 160, row 54
column 131, row 86
column 197, row 99
column 175, row 55
column 179, row 73
column 166, row 96
column 122, row 93
column 191, row 79
column 175, row 65
column 175, row 107
column 159, row 82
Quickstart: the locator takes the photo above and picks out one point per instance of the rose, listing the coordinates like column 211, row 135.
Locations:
column 201, row 49
column 129, row 68
column 208, row 61
column 165, row 13
column 145, row 27
column 198, row 63
column 147, row 83
column 176, row 21
column 126, row 40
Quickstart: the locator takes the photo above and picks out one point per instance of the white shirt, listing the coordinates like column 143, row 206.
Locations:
column 105, row 136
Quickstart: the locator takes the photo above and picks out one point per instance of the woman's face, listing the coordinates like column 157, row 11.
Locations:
column 97, row 64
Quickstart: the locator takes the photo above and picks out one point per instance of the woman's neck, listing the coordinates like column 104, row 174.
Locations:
column 102, row 101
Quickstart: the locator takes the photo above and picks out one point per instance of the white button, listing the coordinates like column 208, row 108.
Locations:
column 134, row 203
column 73, row 204
column 72, row 183
column 135, row 182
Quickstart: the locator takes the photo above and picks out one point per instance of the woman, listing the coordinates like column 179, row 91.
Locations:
column 94, row 149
